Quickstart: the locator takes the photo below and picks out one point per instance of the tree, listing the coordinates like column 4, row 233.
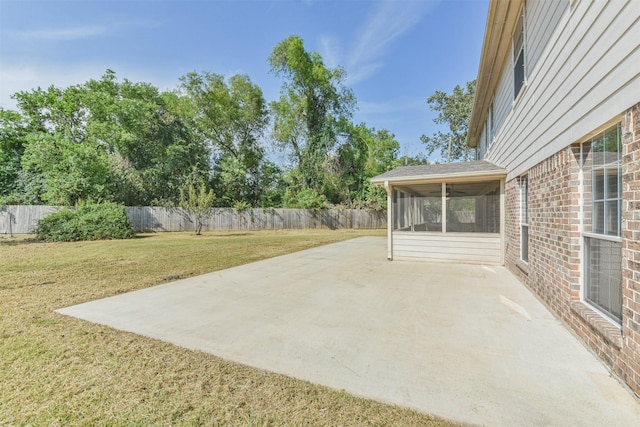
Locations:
column 197, row 200
column 229, row 116
column 259, row 185
column 314, row 106
column 149, row 143
column 13, row 132
column 454, row 111
column 70, row 172
column 114, row 141
column 363, row 154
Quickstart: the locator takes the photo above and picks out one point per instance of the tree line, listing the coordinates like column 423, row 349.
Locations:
column 130, row 143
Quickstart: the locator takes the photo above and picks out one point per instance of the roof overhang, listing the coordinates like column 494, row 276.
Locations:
column 423, row 179
column 449, row 172
column 496, row 50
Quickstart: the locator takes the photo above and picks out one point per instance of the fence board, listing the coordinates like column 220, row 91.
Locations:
column 22, row 219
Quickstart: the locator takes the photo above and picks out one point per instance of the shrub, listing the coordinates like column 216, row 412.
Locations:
column 88, row 221
column 198, row 203
column 307, row 198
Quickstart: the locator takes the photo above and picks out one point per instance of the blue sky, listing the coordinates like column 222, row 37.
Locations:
column 396, row 52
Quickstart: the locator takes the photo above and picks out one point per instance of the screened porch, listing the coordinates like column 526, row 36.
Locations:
column 451, row 212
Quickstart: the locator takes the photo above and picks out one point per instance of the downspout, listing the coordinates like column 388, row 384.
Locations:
column 389, row 191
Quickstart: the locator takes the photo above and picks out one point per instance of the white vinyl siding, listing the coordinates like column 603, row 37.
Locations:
column 503, row 101
column 587, row 73
column 542, row 18
column 466, row 247
column 541, row 21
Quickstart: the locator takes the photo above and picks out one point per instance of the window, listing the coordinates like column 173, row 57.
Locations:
column 470, row 207
column 473, row 207
column 524, row 218
column 606, row 184
column 418, row 208
column 603, row 276
column 518, row 56
column 601, row 162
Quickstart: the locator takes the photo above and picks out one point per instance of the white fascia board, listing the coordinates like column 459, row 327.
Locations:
column 439, row 178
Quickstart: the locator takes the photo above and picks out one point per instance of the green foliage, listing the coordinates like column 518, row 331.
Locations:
column 363, row 154
column 88, row 221
column 104, row 139
column 454, row 111
column 29, row 189
column 313, row 108
column 373, row 197
column 258, row 186
column 150, row 144
column 230, row 115
column 128, row 143
column 306, row 198
column 197, row 200
column 12, row 140
column 9, row 172
column 234, row 182
column 271, row 184
column 241, row 206
column 70, row 171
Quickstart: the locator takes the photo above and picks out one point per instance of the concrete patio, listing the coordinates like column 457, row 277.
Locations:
column 465, row 342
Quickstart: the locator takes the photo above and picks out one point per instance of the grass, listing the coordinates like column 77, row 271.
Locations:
column 56, row 370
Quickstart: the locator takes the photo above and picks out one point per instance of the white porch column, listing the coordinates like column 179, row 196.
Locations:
column 444, row 207
column 389, row 190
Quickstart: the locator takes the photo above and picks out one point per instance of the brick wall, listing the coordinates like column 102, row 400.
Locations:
column 629, row 368
column 554, row 234
column 553, row 271
column 512, row 228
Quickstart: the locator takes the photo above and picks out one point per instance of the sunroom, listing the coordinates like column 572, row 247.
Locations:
column 445, row 212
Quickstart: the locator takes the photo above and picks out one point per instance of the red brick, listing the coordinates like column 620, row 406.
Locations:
column 554, row 271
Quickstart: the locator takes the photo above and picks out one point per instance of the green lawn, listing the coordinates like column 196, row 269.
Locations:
column 56, row 370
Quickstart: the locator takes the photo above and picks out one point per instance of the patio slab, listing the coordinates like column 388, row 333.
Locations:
column 466, row 342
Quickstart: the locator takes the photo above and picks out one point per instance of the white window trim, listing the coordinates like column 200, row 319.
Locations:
column 583, row 234
column 525, row 83
column 606, row 237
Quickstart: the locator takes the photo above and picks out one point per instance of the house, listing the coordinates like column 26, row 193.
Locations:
column 556, row 128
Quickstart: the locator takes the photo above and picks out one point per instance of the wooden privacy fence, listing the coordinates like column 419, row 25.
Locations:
column 24, row 219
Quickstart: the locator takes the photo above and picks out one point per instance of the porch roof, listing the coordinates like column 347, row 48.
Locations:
column 442, row 172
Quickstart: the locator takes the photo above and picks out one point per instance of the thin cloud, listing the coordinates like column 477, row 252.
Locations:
column 80, row 32
column 367, row 108
column 389, row 20
column 330, row 48
column 62, row 34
